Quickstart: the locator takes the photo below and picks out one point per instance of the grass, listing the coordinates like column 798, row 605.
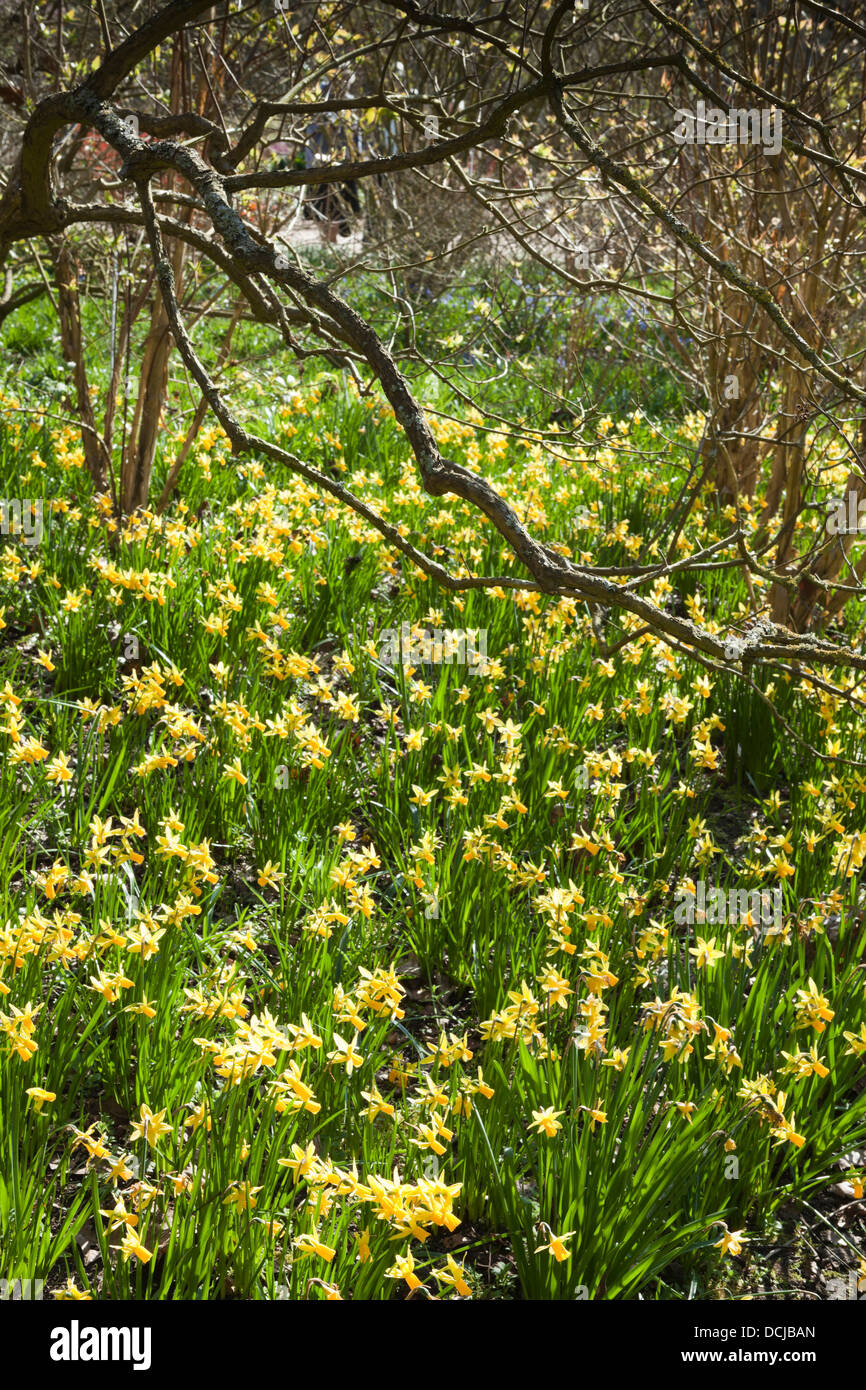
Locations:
column 345, row 980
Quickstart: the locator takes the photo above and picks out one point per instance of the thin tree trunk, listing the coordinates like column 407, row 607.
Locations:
column 66, row 272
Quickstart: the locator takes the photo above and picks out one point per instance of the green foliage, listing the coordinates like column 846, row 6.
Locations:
column 510, row 841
